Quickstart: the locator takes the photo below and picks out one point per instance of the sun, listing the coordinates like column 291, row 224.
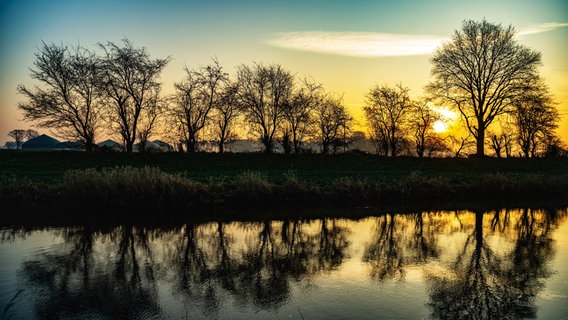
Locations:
column 439, row 126
column 444, row 123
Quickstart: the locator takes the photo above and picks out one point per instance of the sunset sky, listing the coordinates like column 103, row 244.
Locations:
column 348, row 46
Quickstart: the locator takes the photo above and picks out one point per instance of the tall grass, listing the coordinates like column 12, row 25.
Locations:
column 149, row 187
column 131, row 187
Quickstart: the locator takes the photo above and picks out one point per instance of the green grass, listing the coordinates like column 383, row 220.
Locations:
column 245, row 180
column 51, row 166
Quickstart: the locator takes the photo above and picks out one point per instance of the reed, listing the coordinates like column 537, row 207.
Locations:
column 150, row 187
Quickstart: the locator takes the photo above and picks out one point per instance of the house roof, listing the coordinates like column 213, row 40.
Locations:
column 164, row 145
column 41, row 142
column 109, row 143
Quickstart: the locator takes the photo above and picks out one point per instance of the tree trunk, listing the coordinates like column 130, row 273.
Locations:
column 89, row 145
column 221, row 146
column 480, row 141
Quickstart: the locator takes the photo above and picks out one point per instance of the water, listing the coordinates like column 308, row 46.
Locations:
column 504, row 264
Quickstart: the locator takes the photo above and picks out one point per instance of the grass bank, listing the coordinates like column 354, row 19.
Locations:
column 142, row 181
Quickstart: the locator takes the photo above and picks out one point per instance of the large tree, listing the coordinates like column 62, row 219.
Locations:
column 264, row 96
column 68, row 100
column 480, row 72
column 130, row 81
column 387, row 111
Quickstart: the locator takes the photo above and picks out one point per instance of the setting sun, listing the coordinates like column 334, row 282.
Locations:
column 447, row 119
column 439, row 126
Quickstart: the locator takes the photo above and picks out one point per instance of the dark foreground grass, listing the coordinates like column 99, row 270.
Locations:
column 172, row 181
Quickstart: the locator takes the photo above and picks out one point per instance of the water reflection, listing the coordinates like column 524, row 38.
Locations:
column 472, row 265
column 208, row 261
column 487, row 283
column 81, row 280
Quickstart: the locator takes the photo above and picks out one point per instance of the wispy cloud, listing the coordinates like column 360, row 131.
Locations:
column 358, row 44
column 540, row 27
column 376, row 44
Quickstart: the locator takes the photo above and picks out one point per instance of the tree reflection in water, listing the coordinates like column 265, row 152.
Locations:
column 396, row 243
column 77, row 283
column 485, row 285
column 115, row 272
column 257, row 270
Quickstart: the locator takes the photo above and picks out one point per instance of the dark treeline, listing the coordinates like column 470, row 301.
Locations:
column 482, row 74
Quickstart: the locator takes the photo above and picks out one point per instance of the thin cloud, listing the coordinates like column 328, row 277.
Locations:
column 539, row 28
column 370, row 44
column 358, row 44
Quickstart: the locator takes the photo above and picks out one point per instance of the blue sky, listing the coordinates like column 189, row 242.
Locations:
column 335, row 42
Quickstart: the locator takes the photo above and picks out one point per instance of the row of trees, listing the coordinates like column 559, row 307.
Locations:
column 83, row 92
column 482, row 73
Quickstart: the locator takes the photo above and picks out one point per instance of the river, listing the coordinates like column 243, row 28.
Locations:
column 500, row 264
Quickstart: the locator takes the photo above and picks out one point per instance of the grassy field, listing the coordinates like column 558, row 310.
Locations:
column 51, row 166
column 243, row 179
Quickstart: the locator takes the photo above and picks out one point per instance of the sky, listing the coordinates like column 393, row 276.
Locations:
column 347, row 46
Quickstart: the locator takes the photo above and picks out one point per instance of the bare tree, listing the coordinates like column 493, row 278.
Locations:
column 333, row 123
column 535, row 116
column 504, row 139
column 194, row 99
column 130, row 83
column 480, row 72
column 151, row 121
column 19, row 136
column 497, row 143
column 264, row 96
column 225, row 114
column 30, row 133
column 555, row 148
column 461, row 144
column 299, row 111
column 69, row 101
column 387, row 111
column 422, row 127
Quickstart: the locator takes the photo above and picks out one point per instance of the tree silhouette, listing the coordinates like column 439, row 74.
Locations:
column 196, row 96
column 69, row 101
column 299, row 112
column 536, row 117
column 480, row 72
column 265, row 90
column 129, row 80
column 422, row 127
column 333, row 123
column 387, row 111
column 225, row 115
column 21, row 135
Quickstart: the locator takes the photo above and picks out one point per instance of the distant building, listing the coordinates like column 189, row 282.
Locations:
column 244, row 146
column 149, row 146
column 41, row 142
column 110, row 145
column 166, row 147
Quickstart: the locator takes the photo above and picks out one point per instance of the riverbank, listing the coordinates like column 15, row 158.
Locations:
column 143, row 184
